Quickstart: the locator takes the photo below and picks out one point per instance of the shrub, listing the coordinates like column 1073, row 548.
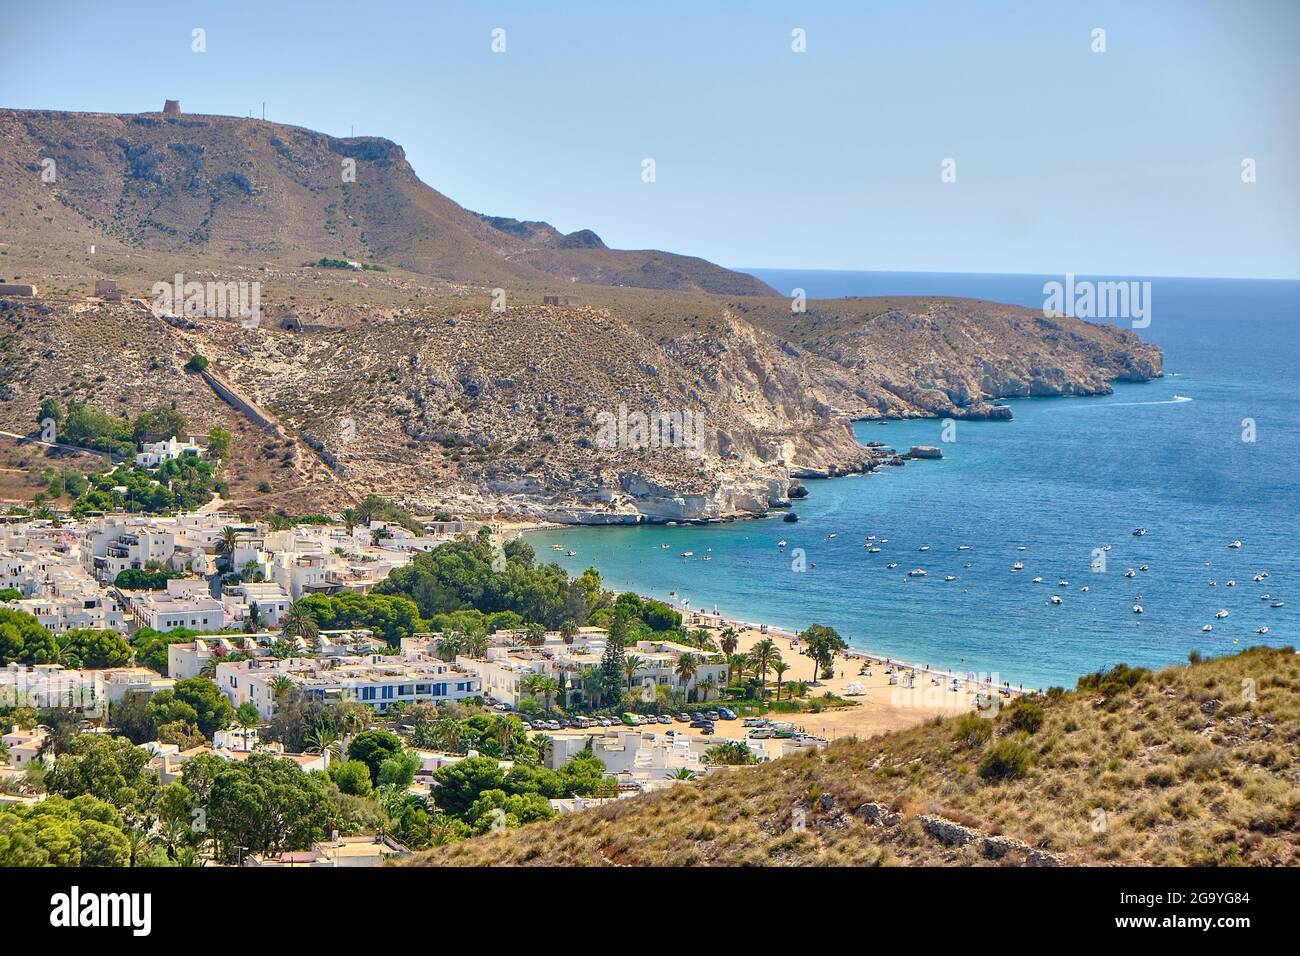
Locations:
column 197, row 363
column 1026, row 715
column 972, row 731
column 1009, row 760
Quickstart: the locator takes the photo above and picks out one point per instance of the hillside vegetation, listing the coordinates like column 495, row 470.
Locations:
column 1192, row 765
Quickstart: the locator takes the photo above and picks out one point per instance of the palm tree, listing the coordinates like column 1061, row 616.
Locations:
column 534, row 685
column 682, row 773
column 631, row 664
column 779, row 667
column 568, row 631
column 764, row 653
column 534, row 634
column 351, row 518
column 449, row 645
column 300, row 621
column 736, row 665
column 227, row 544
column 593, row 685
column 688, row 666
column 326, row 741
column 476, row 642
column 246, row 719
column 550, row 687
column 449, row 734
column 730, row 640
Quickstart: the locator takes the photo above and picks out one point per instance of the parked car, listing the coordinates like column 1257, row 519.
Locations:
column 760, row 733
column 755, row 722
column 712, row 715
column 700, row 724
column 552, row 725
column 605, row 722
column 696, row 715
column 632, row 720
column 726, row 714
column 664, row 719
column 527, row 725
column 500, row 707
column 683, row 718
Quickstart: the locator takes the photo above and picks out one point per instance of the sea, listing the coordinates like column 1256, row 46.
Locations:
column 1206, row 456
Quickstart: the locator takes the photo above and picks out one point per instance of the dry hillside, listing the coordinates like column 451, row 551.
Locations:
column 1190, row 766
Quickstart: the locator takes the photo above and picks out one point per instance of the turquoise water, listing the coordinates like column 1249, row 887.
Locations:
column 1065, row 477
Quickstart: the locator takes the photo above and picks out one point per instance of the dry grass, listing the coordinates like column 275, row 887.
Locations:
column 1187, row 771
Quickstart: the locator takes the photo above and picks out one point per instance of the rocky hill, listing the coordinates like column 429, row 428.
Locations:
column 249, row 191
column 1190, row 766
column 440, row 378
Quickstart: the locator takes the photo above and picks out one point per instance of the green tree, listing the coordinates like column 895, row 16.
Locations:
column 85, row 647
column 373, row 747
column 24, row 640
column 196, row 700
column 220, row 442
column 823, row 644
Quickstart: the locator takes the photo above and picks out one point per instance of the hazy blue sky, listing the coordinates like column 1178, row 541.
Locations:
column 1127, row 161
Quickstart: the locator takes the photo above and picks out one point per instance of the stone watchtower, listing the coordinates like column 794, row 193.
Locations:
column 172, row 108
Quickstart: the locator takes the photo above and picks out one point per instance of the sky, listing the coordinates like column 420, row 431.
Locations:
column 1066, row 159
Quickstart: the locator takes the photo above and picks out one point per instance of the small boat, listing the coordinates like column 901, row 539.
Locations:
column 1137, row 608
column 924, row 547
column 832, row 535
column 917, row 573
column 1207, row 629
column 1139, row 532
column 1262, row 630
column 1018, row 566
column 1130, row 573
column 1276, row 604
column 1063, row 583
column 1234, row 544
column 1214, row 584
column 873, row 550
column 963, row 547
column 664, row 546
column 1143, row 567
column 688, row 554
column 884, row 541
column 1262, row 575
column 1221, row 614
column 572, row 554
column 779, row 544
column 892, row 566
column 1084, row 589
column 1038, row 580
column 1056, row 599
column 1021, row 548
column 1105, row 547
column 968, row 565
column 951, row 577
column 1232, row 584
column 1263, row 597
column 707, row 557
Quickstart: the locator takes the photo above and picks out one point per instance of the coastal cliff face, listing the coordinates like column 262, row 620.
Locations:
column 921, row 357
column 544, row 413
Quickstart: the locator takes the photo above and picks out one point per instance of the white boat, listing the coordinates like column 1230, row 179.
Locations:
column 917, row 573
column 781, row 543
column 1232, row 584
column 572, row 554
column 951, row 577
column 1276, row 604
column 1263, row 597
column 924, row 547
column 1130, row 573
column 707, row 558
column 1018, row 566
column 1084, row 589
column 1056, row 599
column 963, row 547
column 1038, row 580
column 892, row 566
column 1139, row 532
column 663, row 546
column 1221, row 614
column 1234, row 544
column 1021, row 548
column 688, row 554
column 1143, row 567
column 1063, row 583
column 832, row 535
column 1105, row 547
column 1207, row 629
column 1262, row 630
column 873, row 550
column 1137, row 608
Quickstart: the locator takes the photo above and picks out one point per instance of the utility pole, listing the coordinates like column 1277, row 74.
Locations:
column 263, row 111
